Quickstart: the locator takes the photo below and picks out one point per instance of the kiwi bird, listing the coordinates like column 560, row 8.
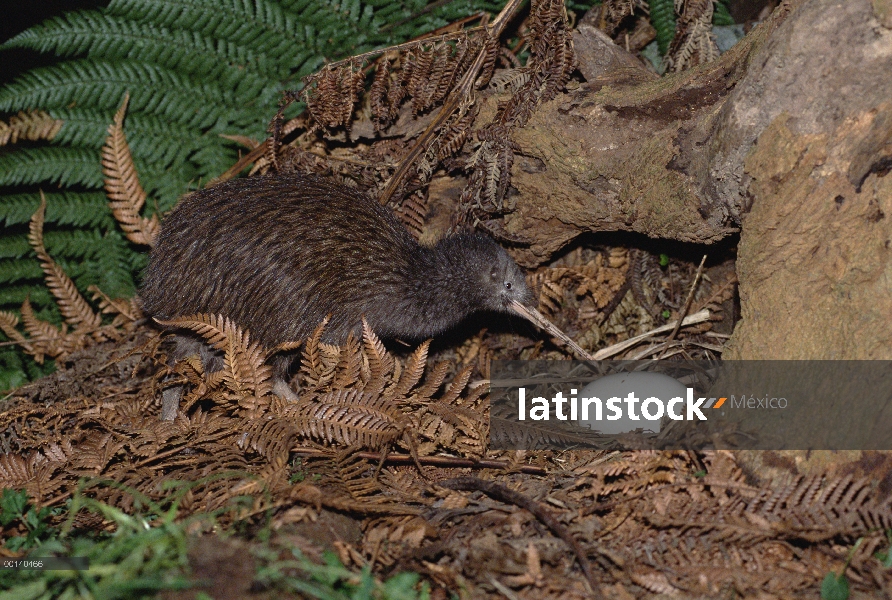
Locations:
column 278, row 253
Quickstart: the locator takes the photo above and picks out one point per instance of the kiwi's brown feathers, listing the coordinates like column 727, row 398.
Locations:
column 279, row 253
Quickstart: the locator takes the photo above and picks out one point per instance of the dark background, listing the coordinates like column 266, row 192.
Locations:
column 17, row 16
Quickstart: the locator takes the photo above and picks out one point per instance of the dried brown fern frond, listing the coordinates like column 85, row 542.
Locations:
column 350, row 365
column 551, row 46
column 507, row 432
column 650, row 284
column 379, row 95
column 820, row 507
column 457, row 385
column 636, row 472
column 423, row 70
column 8, row 324
column 457, row 130
column 351, row 471
column 380, row 363
column 349, row 418
column 434, row 73
column 447, row 141
column 271, row 438
column 75, row 310
column 331, row 94
column 509, row 80
column 125, row 310
column 390, row 539
column 447, row 424
column 694, row 42
column 412, row 212
column 398, row 88
column 811, row 509
column 32, row 125
column 468, row 63
column 125, row 194
column 438, row 70
column 432, row 382
column 31, row 472
column 316, row 370
column 456, row 429
column 46, row 338
column 245, row 373
column 597, row 279
column 608, row 16
column 411, row 373
column 551, row 62
column 490, row 167
column 215, row 329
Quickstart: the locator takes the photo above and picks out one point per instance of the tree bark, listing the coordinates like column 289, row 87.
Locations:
column 786, row 138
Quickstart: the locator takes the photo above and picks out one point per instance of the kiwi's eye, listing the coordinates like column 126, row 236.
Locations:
column 507, row 285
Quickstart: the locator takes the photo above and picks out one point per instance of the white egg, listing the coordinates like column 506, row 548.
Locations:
column 643, row 385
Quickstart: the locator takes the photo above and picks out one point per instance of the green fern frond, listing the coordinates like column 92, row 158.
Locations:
column 14, row 246
column 17, row 208
column 28, row 269
column 170, row 158
column 408, row 17
column 80, row 209
column 12, row 271
column 12, row 296
column 113, row 267
column 77, row 244
column 151, row 139
column 83, row 273
column 109, row 36
column 110, row 270
column 166, row 186
column 102, row 84
column 263, row 24
column 338, row 17
column 138, row 262
column 16, row 368
column 215, row 160
column 390, row 11
column 12, row 369
column 53, row 164
column 662, row 17
column 722, row 16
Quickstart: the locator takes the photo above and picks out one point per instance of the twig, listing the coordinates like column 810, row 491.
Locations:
column 693, row 319
column 687, row 304
column 675, row 344
column 243, row 162
column 503, row 589
column 410, row 44
column 617, row 298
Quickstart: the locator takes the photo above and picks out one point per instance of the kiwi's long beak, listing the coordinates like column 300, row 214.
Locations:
column 535, row 317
